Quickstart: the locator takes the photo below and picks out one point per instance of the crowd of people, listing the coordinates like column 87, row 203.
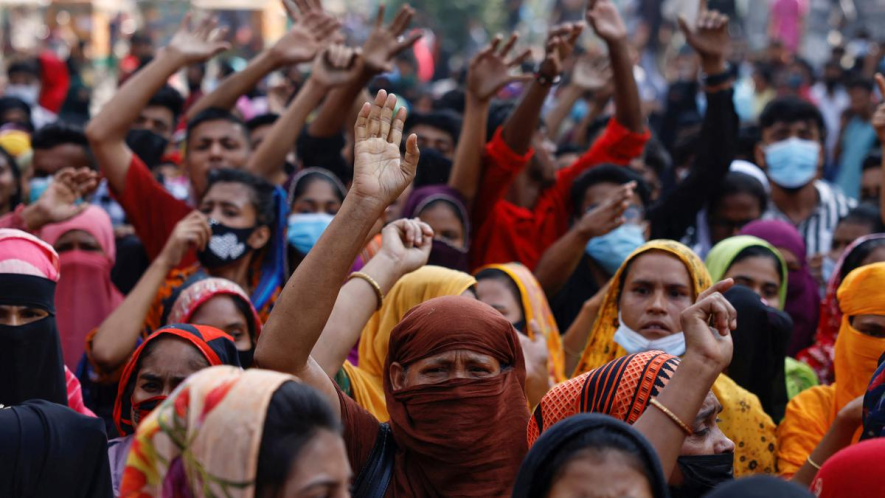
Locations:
column 528, row 279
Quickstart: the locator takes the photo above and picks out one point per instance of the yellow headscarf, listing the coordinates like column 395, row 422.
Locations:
column 366, row 381
column 743, row 419
column 601, row 347
column 535, row 307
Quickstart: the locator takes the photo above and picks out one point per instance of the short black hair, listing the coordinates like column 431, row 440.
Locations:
column 865, row 214
column 765, row 71
column 169, row 98
column 261, row 192
column 214, row 114
column 445, row 120
column 12, row 103
column 791, row 110
column 735, row 183
column 862, row 83
column 30, row 66
column 854, row 259
column 295, row 415
column 609, row 173
column 260, row 120
column 453, row 100
column 873, row 160
column 59, row 133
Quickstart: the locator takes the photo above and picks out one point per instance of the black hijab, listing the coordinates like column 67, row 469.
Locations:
column 558, row 445
column 760, row 487
column 760, row 349
column 50, row 450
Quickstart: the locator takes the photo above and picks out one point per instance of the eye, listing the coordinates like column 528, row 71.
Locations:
column 642, row 291
column 151, row 386
column 32, row 313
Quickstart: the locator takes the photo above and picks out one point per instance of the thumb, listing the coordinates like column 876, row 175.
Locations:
column 535, row 330
column 410, row 160
column 683, row 26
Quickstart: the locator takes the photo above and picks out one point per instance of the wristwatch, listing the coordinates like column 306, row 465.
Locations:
column 713, row 80
column 544, row 80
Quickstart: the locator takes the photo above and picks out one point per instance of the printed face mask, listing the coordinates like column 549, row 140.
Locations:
column 226, row 246
column 305, row 230
column 634, row 342
column 792, row 163
column 611, row 249
column 144, row 408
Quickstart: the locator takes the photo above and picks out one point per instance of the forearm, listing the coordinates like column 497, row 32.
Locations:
column 523, row 121
column 236, row 85
column 575, row 339
column 537, row 383
column 839, row 436
column 467, row 167
column 354, row 307
column 560, row 261
column 115, row 339
column 560, row 112
column 304, row 307
column 270, row 157
column 337, row 108
column 628, row 107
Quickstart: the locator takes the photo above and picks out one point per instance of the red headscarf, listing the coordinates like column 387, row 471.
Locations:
column 854, row 471
column 459, row 437
column 85, row 295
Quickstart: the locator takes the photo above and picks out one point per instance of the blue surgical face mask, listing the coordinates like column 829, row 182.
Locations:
column 792, row 163
column 611, row 249
column 633, row 342
column 37, row 187
column 305, row 229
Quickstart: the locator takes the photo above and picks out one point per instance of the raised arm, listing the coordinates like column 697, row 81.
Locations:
column 116, row 337
column 591, row 74
column 879, row 124
column 304, row 307
column 603, row 16
column 312, row 29
column 405, row 248
column 57, row 204
column 841, row 432
column 489, row 71
column 523, row 121
column 107, row 131
column 707, row 326
column 334, row 67
column 382, row 45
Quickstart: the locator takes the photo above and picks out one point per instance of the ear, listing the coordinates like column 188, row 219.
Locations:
column 397, row 376
column 259, row 238
column 759, row 154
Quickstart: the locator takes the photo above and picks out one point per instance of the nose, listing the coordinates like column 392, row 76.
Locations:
column 215, row 150
column 723, row 444
column 658, row 303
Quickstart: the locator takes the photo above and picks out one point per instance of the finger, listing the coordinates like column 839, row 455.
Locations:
column 410, row 233
column 535, row 332
column 379, row 17
column 519, row 59
column 880, row 80
column 315, row 5
column 410, row 40
column 186, row 22
column 396, row 127
column 577, row 29
column 302, row 6
column 402, row 20
column 387, row 117
column 721, row 286
column 410, row 160
column 361, row 127
column 426, row 229
column 683, row 26
column 702, row 5
column 374, row 126
column 509, row 45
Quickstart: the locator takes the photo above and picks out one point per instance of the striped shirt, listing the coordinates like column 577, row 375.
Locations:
column 817, row 229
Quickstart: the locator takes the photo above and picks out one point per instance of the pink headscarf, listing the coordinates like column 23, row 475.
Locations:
column 17, row 255
column 85, row 295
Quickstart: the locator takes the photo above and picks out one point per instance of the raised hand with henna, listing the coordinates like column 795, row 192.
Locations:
column 708, row 37
column 491, row 68
column 386, row 41
column 312, row 30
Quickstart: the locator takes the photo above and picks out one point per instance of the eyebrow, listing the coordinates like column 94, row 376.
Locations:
column 666, row 284
column 151, row 377
column 704, row 415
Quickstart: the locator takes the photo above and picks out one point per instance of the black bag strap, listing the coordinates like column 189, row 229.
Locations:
column 374, row 478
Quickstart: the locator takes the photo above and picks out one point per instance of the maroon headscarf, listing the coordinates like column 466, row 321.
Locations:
column 442, row 254
column 803, row 295
column 459, row 437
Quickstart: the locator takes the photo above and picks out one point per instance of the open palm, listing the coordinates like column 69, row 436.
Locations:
column 200, row 43
column 592, row 74
column 380, row 173
column 311, row 31
column 489, row 69
column 709, row 35
column 603, row 16
column 385, row 42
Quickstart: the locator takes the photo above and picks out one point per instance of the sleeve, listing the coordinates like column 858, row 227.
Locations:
column 152, row 210
column 804, row 426
column 75, row 395
column 360, row 431
column 718, row 147
column 501, row 165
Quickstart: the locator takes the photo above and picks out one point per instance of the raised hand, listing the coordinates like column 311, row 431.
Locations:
column 707, row 326
column 609, row 215
column 192, row 232
column 407, row 243
column 878, row 120
column 312, row 30
column 560, row 45
column 384, row 42
column 603, row 17
column 490, row 69
column 380, row 175
column 335, row 66
column 708, row 37
column 200, row 43
column 59, row 202
column 592, row 74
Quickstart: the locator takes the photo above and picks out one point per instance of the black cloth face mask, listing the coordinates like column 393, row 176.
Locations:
column 702, row 473
column 227, row 245
column 31, row 364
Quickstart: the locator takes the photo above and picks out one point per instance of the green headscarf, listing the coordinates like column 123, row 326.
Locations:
column 721, row 257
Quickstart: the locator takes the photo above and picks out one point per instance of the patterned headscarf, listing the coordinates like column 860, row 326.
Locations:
column 874, row 405
column 192, row 297
column 601, row 347
column 203, row 441
column 620, row 389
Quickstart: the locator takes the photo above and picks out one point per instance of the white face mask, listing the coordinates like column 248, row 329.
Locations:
column 634, row 342
column 27, row 93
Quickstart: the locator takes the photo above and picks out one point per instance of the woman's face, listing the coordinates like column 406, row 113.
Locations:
column 77, row 240
column 498, row 294
column 759, row 274
column 319, row 197
column 607, row 474
column 707, row 438
column 445, row 223
column 321, row 470
column 171, row 360
column 656, row 291
column 222, row 313
column 230, row 204
column 8, row 184
column 871, row 325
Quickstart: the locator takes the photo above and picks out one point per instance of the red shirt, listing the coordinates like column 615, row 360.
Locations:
column 151, row 210
column 506, row 232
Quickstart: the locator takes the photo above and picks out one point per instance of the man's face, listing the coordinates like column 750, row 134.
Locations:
column 731, row 214
column 781, row 130
column 23, row 78
column 215, row 145
column 434, row 138
column 860, row 99
column 157, row 119
column 48, row 162
column 870, row 184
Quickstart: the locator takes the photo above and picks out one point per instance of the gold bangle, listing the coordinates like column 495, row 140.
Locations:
column 657, row 404
column 811, row 462
column 371, row 281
